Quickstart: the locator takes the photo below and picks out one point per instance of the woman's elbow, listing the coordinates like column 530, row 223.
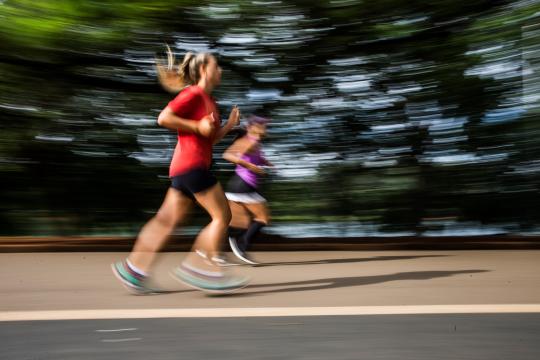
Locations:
column 162, row 119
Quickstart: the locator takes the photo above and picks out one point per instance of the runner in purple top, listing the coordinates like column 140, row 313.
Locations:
column 255, row 158
column 248, row 207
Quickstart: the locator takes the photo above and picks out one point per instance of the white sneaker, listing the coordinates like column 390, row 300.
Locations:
column 219, row 260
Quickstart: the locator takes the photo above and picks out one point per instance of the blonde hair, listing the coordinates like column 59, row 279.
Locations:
column 174, row 77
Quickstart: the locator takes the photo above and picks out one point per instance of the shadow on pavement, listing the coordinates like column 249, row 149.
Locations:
column 349, row 260
column 335, row 283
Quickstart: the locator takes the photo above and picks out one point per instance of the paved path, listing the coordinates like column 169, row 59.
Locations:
column 60, row 281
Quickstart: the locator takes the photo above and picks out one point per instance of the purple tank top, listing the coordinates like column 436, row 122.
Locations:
column 256, row 158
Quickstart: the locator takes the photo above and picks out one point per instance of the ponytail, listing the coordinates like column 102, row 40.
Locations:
column 187, row 72
column 174, row 77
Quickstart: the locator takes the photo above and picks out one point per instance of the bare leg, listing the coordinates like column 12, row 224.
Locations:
column 155, row 233
column 211, row 237
column 261, row 218
column 240, row 215
column 199, row 272
column 260, row 212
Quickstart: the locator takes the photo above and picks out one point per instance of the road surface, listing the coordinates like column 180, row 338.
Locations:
column 300, row 305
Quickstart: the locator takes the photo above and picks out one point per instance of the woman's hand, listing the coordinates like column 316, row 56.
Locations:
column 234, row 117
column 206, row 127
column 256, row 169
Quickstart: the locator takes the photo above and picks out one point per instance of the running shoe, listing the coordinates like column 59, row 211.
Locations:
column 208, row 281
column 221, row 260
column 218, row 259
column 133, row 282
column 238, row 251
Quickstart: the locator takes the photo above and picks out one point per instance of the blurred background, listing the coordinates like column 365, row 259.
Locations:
column 389, row 117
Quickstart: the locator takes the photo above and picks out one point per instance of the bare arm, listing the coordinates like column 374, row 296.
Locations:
column 234, row 119
column 168, row 119
column 220, row 134
column 235, row 152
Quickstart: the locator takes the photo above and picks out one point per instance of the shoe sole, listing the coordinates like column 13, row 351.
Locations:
column 203, row 289
column 129, row 287
column 132, row 288
column 236, row 251
column 225, row 265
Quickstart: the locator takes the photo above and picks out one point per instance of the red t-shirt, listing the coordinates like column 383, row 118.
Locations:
column 192, row 151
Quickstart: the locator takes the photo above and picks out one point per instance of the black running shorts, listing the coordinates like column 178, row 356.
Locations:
column 193, row 181
column 237, row 185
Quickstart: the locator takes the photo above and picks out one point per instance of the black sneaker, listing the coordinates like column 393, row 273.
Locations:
column 239, row 253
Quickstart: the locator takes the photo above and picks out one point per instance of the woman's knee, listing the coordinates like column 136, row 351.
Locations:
column 224, row 217
column 166, row 218
column 173, row 209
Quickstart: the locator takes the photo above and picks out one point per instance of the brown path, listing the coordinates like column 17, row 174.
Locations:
column 63, row 281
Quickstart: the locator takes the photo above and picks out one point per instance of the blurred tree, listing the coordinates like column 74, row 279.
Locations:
column 387, row 112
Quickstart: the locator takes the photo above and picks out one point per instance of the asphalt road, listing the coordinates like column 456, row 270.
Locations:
column 399, row 337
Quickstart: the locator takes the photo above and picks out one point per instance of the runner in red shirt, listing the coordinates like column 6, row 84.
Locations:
column 193, row 114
